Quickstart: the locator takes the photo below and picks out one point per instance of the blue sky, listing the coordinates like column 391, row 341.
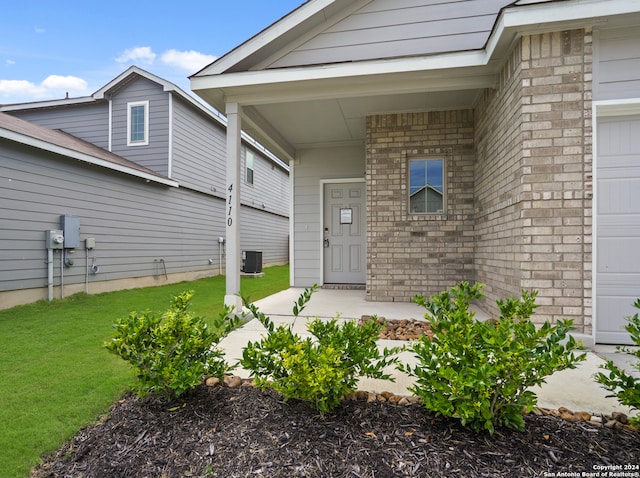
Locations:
column 50, row 48
column 425, row 172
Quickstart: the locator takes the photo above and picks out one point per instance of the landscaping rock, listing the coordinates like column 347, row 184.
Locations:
column 621, row 417
column 232, row 381
column 404, row 329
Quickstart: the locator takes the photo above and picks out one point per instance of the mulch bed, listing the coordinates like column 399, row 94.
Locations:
column 242, row 432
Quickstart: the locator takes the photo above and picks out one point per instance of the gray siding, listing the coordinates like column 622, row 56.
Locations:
column 617, row 64
column 155, row 155
column 334, row 163
column 89, row 122
column 199, row 150
column 199, row 162
column 266, row 233
column 270, row 188
column 392, row 28
column 135, row 224
column 140, row 228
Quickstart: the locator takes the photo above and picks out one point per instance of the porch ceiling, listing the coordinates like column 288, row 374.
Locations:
column 334, row 122
column 287, row 113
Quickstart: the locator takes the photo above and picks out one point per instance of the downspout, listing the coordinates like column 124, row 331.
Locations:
column 86, row 270
column 53, row 240
column 110, row 127
column 170, row 145
column 50, row 273
column 292, row 219
column 221, row 253
column 62, row 273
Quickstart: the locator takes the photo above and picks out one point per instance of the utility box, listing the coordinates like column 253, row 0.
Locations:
column 54, row 239
column 252, row 262
column 70, row 226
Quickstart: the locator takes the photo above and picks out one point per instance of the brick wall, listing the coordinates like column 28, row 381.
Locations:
column 556, row 180
column 411, row 254
column 518, row 187
column 498, row 185
column 533, row 178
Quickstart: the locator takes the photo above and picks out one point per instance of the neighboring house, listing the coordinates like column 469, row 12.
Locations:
column 427, row 199
column 529, row 111
column 139, row 166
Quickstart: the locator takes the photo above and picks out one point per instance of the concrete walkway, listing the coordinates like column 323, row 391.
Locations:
column 573, row 389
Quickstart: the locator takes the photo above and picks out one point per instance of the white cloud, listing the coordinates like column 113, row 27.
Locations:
column 53, row 86
column 9, row 62
column 68, row 83
column 142, row 54
column 22, row 88
column 190, row 61
column 39, row 30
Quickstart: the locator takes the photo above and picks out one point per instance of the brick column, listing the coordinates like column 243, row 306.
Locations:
column 556, row 167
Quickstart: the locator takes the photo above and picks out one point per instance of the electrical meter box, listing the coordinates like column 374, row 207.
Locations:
column 70, row 226
column 54, row 239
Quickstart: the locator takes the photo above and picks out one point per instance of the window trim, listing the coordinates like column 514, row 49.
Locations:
column 428, row 157
column 130, row 107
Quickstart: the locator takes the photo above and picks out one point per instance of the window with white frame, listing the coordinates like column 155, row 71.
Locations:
column 426, row 185
column 138, row 123
column 249, row 167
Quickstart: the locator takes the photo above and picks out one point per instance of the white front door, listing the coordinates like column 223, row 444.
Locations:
column 617, row 238
column 344, row 233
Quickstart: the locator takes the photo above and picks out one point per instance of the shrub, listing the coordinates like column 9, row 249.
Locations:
column 624, row 386
column 171, row 352
column 479, row 372
column 319, row 370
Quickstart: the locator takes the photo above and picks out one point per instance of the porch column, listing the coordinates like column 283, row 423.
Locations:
column 232, row 214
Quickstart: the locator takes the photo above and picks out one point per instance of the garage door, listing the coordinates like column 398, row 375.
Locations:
column 617, row 225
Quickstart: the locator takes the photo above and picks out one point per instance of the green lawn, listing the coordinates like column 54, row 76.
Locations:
column 56, row 377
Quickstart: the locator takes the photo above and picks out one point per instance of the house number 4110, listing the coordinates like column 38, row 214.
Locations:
column 229, row 220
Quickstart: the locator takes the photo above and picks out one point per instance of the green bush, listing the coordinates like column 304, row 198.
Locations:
column 319, row 370
column 624, row 386
column 171, row 352
column 479, row 372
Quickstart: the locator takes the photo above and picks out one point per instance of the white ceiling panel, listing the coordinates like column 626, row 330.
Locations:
column 332, row 122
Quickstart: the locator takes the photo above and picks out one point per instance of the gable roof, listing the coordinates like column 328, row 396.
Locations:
column 338, row 29
column 325, row 58
column 118, row 82
column 327, row 32
column 59, row 142
column 126, row 77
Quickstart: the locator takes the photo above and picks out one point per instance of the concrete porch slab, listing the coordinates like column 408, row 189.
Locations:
column 574, row 389
column 351, row 304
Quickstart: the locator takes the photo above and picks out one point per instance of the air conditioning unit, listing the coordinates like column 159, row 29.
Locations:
column 252, row 262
